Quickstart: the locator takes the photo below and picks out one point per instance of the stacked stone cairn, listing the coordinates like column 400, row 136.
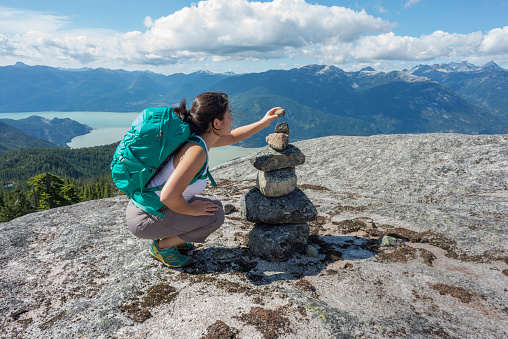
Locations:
column 279, row 209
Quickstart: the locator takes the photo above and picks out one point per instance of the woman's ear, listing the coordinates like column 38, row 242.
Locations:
column 217, row 124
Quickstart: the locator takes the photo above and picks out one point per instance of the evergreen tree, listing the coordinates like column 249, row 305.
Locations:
column 70, row 193
column 17, row 205
column 51, row 191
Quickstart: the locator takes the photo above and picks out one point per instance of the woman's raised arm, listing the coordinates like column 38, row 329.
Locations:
column 243, row 132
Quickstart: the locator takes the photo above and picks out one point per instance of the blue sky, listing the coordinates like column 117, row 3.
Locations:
column 168, row 36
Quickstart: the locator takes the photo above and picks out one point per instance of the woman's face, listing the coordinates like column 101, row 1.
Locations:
column 224, row 126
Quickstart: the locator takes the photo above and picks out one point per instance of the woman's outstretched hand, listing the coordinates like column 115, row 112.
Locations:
column 270, row 116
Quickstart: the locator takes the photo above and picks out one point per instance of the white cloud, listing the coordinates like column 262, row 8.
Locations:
column 496, row 41
column 239, row 30
column 382, row 10
column 148, row 22
column 219, row 29
column 389, row 46
column 438, row 44
column 411, row 3
column 15, row 21
column 229, row 27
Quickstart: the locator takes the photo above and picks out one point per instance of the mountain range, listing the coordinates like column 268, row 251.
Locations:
column 320, row 100
column 485, row 86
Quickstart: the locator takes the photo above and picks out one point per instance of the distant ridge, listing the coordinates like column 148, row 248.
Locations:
column 320, row 100
column 485, row 86
column 57, row 131
column 12, row 139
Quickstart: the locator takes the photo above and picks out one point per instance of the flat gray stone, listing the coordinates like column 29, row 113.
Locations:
column 292, row 208
column 277, row 183
column 278, row 141
column 278, row 243
column 282, row 127
column 271, row 160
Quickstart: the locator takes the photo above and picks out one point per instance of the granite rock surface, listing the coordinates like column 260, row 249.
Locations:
column 77, row 271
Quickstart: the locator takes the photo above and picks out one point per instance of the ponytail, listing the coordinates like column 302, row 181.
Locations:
column 184, row 113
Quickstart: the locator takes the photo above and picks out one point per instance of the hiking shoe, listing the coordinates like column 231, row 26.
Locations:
column 186, row 246
column 169, row 256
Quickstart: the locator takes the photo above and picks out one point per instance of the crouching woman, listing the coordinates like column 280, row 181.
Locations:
column 190, row 218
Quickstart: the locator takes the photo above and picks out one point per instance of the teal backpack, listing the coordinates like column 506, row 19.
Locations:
column 155, row 135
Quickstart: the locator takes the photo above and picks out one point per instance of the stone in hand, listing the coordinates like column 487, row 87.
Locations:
column 280, row 112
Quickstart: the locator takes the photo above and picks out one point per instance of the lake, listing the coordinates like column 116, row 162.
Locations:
column 110, row 127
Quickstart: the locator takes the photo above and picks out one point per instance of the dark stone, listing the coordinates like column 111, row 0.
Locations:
column 292, row 208
column 282, row 127
column 277, row 183
column 229, row 208
column 278, row 243
column 270, row 159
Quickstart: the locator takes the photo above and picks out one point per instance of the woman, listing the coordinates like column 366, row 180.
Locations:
column 188, row 217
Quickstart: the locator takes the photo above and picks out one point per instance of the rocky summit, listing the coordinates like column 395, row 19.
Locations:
column 410, row 241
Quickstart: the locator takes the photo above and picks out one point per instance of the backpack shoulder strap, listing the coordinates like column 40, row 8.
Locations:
column 203, row 172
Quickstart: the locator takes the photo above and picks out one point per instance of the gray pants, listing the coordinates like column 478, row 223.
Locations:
column 189, row 228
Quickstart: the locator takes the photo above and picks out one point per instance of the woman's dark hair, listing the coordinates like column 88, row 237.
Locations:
column 205, row 109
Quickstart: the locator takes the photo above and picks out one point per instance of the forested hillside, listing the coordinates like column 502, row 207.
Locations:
column 12, row 138
column 75, row 164
column 77, row 175
column 57, row 131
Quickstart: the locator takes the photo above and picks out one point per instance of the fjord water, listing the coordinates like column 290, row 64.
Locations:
column 110, row 127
